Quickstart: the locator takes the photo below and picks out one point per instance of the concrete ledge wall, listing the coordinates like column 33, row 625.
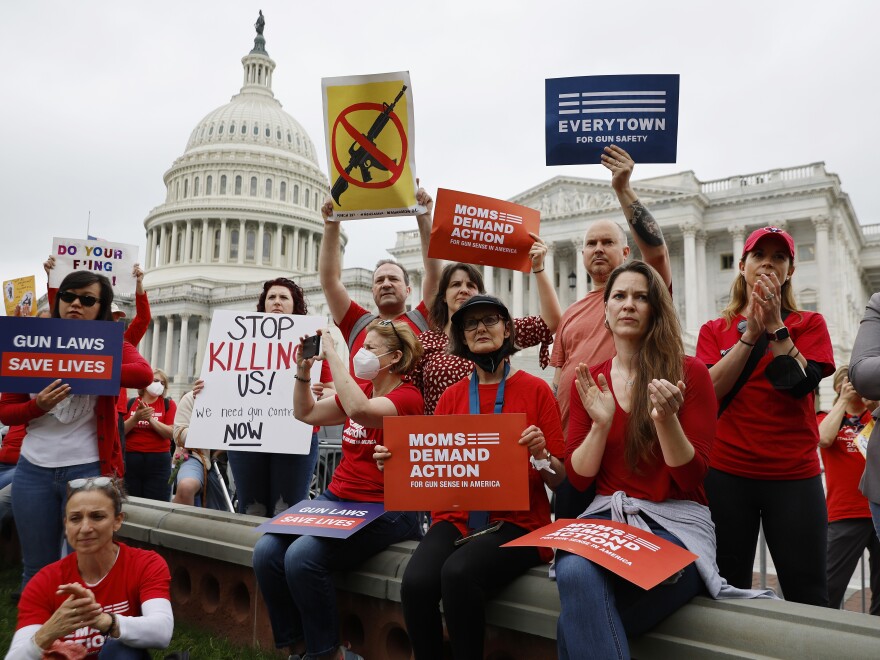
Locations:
column 213, row 586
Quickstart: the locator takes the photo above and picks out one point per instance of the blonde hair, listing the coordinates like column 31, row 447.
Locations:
column 739, row 297
column 399, row 337
column 161, row 374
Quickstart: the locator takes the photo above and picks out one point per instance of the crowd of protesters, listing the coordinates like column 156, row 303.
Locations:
column 702, row 451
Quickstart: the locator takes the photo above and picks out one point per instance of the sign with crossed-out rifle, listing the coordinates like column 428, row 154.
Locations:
column 370, row 127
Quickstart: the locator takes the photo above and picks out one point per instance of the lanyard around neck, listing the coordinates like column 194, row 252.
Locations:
column 475, row 392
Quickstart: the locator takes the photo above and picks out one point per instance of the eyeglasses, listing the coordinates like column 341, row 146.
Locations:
column 85, row 300
column 471, row 324
column 385, row 322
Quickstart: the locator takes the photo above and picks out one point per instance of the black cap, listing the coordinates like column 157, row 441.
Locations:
column 480, row 300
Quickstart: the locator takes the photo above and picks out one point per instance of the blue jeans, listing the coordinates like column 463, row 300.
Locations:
column 600, row 609
column 147, row 475
column 875, row 516
column 295, row 576
column 7, row 471
column 38, row 498
column 268, row 484
column 113, row 649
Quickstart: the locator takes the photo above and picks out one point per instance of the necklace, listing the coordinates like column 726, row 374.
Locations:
column 629, row 381
column 95, row 584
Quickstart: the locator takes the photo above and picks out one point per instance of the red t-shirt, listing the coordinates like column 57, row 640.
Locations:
column 11, row 448
column 523, row 393
column 437, row 369
column 351, row 317
column 766, row 433
column 136, row 577
column 142, row 437
column 844, row 465
column 357, row 479
column 654, row 481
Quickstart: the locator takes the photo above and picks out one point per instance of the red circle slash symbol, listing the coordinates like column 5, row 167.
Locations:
column 380, row 158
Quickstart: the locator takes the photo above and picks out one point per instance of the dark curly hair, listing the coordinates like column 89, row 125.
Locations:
column 296, row 292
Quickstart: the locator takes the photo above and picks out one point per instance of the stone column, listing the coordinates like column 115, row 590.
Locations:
column 564, row 291
column 172, row 255
column 207, row 242
column 416, row 283
column 163, row 245
column 489, row 279
column 550, row 264
column 689, row 233
column 154, row 350
column 146, row 342
column 307, row 262
column 188, row 242
column 204, row 326
column 276, row 247
column 517, row 294
column 224, row 241
column 702, row 279
column 258, row 252
column 242, row 240
column 169, row 345
column 579, row 268
column 151, row 246
column 738, row 232
column 822, row 224
column 182, row 358
column 295, row 251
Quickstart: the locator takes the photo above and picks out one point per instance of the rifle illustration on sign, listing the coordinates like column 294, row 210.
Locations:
column 360, row 157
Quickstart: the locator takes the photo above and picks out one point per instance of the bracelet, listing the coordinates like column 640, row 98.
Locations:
column 535, row 272
column 112, row 625
column 302, row 380
column 746, row 343
column 793, row 348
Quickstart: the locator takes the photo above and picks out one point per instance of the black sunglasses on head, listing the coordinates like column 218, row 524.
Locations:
column 84, row 300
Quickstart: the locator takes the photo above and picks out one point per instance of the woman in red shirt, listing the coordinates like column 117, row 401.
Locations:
column 765, row 470
column 295, row 572
column 464, row 574
column 148, row 441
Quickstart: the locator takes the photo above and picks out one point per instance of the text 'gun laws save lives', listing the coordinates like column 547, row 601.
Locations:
column 248, row 369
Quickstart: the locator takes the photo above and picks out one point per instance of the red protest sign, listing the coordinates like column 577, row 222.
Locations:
column 482, row 230
column 635, row 555
column 456, row 462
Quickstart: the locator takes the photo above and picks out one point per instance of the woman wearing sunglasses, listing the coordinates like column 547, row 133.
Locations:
column 460, row 561
column 106, row 596
column 439, row 368
column 295, row 572
column 68, row 436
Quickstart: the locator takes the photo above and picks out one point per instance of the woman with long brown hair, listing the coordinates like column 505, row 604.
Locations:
column 641, row 428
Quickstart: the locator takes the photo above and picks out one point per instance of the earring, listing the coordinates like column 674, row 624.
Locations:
column 606, row 324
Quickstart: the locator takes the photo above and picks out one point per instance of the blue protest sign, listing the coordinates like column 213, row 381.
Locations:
column 337, row 520
column 87, row 355
column 587, row 113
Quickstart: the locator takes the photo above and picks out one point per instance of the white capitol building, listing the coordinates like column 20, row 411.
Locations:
column 242, row 207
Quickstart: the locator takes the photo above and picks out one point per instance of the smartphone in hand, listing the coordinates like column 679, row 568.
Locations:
column 311, row 347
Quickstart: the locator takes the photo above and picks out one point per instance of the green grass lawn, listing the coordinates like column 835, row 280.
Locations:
column 201, row 645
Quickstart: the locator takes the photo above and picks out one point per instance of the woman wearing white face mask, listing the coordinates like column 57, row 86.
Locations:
column 148, row 426
column 295, row 573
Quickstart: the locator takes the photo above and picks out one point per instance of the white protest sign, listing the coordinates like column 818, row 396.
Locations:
column 249, row 368
column 113, row 260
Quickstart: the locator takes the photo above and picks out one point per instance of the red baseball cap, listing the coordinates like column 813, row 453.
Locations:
column 758, row 234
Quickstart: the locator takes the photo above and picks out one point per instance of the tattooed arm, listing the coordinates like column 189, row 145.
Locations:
column 645, row 229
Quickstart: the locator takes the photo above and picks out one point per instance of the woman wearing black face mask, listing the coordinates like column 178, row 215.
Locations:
column 294, row 573
column 464, row 575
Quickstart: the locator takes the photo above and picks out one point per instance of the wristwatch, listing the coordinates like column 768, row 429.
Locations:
column 779, row 335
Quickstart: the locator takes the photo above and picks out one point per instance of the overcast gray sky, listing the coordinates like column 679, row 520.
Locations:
column 99, row 98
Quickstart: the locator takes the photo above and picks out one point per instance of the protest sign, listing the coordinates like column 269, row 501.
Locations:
column 249, row 368
column 482, row 230
column 337, row 520
column 369, row 128
column 113, row 260
column 449, row 462
column 19, row 296
column 86, row 355
column 586, row 114
column 634, row 554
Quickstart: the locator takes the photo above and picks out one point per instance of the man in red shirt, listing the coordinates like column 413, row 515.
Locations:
column 582, row 336
column 390, row 283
